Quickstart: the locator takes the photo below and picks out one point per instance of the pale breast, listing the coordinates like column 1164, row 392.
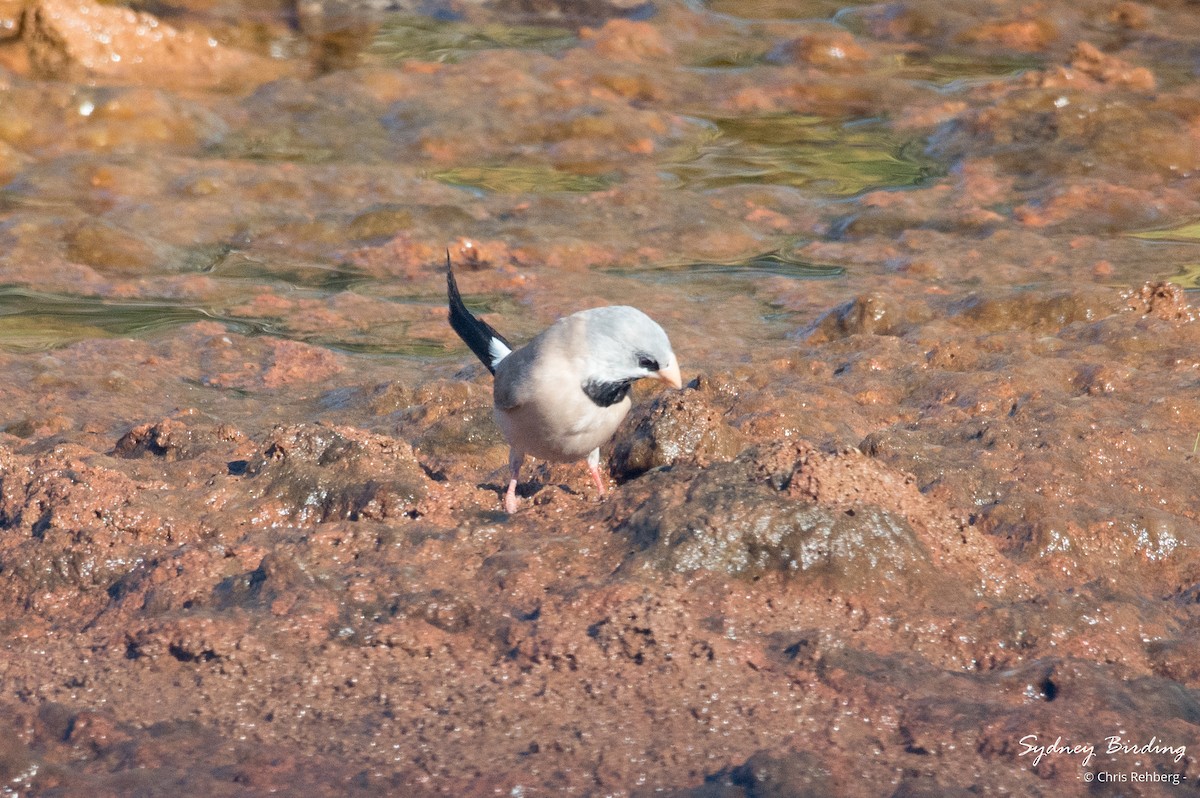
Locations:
column 564, row 430
column 540, row 403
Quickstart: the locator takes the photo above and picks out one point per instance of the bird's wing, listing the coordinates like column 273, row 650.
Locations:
column 546, row 370
column 519, row 379
column 487, row 344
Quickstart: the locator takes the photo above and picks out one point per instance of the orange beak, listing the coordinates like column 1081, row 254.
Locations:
column 670, row 373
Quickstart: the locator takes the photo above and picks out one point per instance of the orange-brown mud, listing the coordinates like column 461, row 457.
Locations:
column 926, row 503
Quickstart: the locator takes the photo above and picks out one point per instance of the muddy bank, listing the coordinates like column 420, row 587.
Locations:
column 922, row 505
column 777, row 611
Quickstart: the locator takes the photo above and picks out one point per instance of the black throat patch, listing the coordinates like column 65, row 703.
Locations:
column 606, row 394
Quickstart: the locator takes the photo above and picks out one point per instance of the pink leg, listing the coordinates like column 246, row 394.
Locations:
column 510, row 498
column 515, row 459
column 599, row 480
column 593, row 464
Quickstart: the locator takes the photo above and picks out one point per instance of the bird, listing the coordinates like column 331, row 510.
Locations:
column 562, row 396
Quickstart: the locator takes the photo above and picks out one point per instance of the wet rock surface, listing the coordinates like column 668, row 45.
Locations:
column 676, row 429
column 325, row 473
column 912, row 595
column 925, row 501
column 73, row 39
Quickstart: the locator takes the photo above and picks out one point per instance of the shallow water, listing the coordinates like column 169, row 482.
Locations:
column 927, row 491
column 819, row 156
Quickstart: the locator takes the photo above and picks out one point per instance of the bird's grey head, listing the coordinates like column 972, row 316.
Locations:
column 625, row 344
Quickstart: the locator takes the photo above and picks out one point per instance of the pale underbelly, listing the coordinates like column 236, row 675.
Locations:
column 558, row 440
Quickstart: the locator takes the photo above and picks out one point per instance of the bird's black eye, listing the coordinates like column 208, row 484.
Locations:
column 647, row 362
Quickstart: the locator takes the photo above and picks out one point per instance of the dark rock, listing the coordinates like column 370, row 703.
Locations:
column 319, row 473
column 726, row 518
column 173, row 440
column 871, row 314
column 797, row 775
column 678, row 428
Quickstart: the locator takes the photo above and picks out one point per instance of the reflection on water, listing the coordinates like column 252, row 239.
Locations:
column 820, row 155
column 769, row 264
column 33, row 321
column 1189, row 233
column 238, row 265
column 957, row 70
column 777, row 9
column 403, row 38
column 521, row 179
column 1188, row 275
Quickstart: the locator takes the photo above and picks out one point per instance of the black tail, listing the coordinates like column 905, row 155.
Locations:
column 476, row 333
